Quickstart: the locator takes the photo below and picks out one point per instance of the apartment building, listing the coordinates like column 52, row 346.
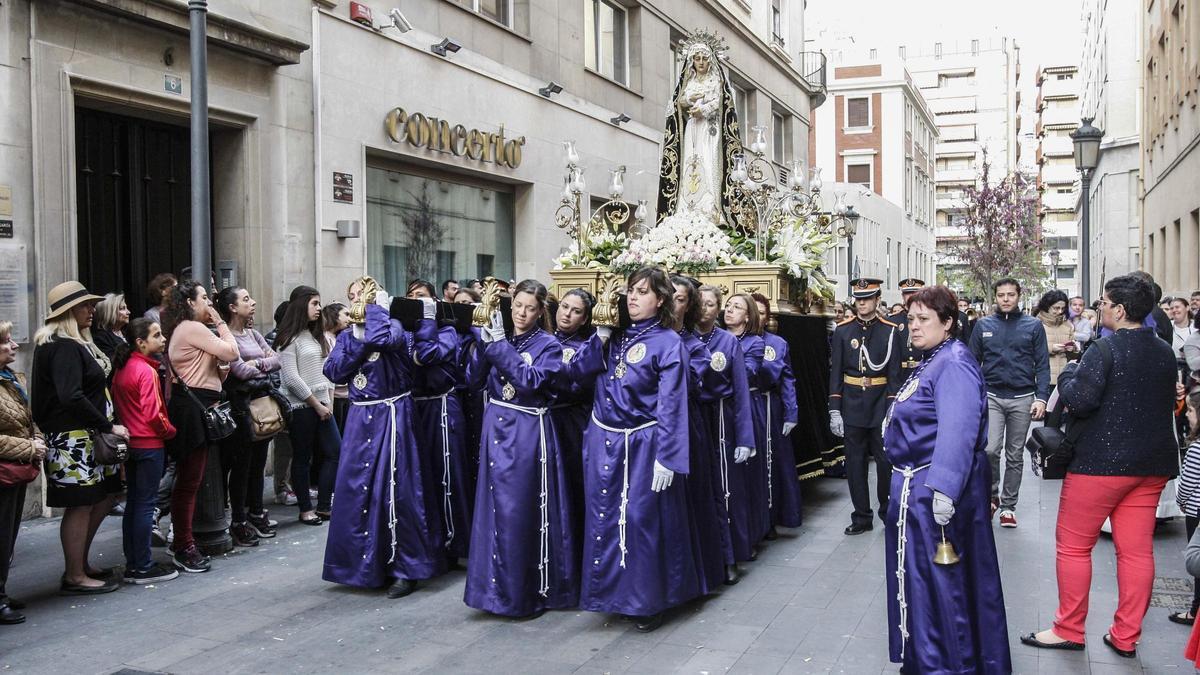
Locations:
column 1057, row 110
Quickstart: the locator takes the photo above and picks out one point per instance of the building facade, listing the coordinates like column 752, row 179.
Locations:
column 1170, row 144
column 877, row 135
column 1057, row 110
column 1110, row 87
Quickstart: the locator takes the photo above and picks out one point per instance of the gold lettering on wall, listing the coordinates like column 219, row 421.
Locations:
column 439, row 135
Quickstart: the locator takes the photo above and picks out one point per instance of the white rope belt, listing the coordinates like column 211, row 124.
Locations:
column 447, row 502
column 543, row 497
column 770, row 452
column 902, row 530
column 724, row 456
column 625, row 478
column 391, row 404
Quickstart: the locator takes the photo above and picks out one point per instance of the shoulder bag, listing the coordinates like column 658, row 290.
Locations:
column 1051, row 448
column 13, row 474
column 218, row 417
column 108, row 448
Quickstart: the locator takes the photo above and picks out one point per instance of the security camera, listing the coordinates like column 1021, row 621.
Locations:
column 399, row 21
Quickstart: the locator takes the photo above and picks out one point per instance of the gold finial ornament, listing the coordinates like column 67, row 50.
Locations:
column 488, row 303
column 945, row 555
column 607, row 311
column 358, row 308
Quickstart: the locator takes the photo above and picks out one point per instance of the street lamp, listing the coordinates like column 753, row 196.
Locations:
column 1055, row 256
column 1087, row 140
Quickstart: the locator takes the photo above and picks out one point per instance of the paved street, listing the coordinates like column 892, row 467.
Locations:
column 813, row 603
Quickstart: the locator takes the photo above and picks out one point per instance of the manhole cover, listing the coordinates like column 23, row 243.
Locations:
column 1172, row 593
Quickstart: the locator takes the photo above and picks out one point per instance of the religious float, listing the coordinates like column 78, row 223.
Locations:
column 727, row 216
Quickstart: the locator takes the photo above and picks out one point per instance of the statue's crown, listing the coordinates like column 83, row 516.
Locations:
column 703, row 38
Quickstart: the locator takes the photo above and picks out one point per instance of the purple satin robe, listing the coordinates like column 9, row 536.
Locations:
column 657, row 569
column 726, row 395
column 441, row 432
column 523, row 556
column 471, row 400
column 759, row 518
column 955, row 614
column 574, row 388
column 709, row 523
column 777, row 395
column 359, row 549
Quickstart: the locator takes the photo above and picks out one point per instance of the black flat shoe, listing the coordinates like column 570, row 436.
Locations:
column 649, row 624
column 1032, row 641
column 75, row 589
column 772, row 535
column 15, row 603
column 10, row 616
column 857, row 529
column 1184, row 618
column 401, row 588
column 1126, row 653
column 101, row 575
column 732, row 576
column 315, row 520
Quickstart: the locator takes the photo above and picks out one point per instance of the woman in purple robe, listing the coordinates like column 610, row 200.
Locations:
column 726, row 411
column 470, row 398
column 379, row 531
column 776, row 404
column 707, row 506
column 574, row 388
column 942, row 618
column 440, row 429
column 743, row 321
column 523, row 559
column 639, row 557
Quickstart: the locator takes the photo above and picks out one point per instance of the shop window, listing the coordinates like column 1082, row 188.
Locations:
column 605, row 31
column 432, row 227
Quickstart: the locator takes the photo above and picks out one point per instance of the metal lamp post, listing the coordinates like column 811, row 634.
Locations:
column 1055, row 256
column 1087, row 140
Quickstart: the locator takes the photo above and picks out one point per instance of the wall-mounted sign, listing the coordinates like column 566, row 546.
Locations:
column 439, row 135
column 14, row 290
column 173, row 84
column 343, row 187
column 6, row 228
column 5, row 200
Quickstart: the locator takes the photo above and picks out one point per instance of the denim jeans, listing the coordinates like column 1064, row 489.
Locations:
column 308, row 433
column 143, row 471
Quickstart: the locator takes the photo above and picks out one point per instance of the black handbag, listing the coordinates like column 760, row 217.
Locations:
column 218, row 417
column 1053, row 449
column 109, row 448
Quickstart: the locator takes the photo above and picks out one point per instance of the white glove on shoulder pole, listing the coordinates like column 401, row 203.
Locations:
column 943, row 508
column 383, row 299
column 835, row 423
column 604, row 332
column 494, row 332
column 359, row 331
column 741, row 454
column 662, row 477
column 787, row 427
column 429, row 308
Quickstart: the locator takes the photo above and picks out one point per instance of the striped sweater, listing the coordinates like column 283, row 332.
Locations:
column 301, row 365
column 1187, row 489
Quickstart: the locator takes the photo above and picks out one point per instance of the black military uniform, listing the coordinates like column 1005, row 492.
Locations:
column 864, row 377
column 909, row 356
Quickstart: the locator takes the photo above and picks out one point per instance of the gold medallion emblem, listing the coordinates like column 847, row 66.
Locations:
column 527, row 358
column 508, row 391
column 909, row 389
column 636, row 353
column 360, row 381
column 619, row 371
column 568, row 354
column 901, row 327
column 769, row 353
column 717, row 362
column 854, row 343
column 373, row 357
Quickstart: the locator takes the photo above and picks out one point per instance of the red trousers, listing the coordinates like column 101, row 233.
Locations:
column 1129, row 503
column 189, row 474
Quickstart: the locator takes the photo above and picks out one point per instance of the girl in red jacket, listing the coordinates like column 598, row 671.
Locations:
column 137, row 395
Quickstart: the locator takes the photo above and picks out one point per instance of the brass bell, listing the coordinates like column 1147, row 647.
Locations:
column 945, row 555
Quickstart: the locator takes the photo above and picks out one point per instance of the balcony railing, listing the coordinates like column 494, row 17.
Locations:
column 812, row 69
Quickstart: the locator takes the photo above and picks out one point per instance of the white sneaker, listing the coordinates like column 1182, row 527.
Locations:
column 285, row 498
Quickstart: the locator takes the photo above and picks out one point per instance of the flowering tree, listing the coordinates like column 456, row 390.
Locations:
column 1001, row 236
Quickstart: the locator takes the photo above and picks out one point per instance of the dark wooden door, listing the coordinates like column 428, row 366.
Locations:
column 133, row 192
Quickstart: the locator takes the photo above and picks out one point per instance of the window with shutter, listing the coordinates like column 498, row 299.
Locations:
column 858, row 112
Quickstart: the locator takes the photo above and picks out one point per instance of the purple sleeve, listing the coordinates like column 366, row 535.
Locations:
column 743, row 415
column 526, row 377
column 240, row 370
column 382, row 331
column 477, row 367
column 345, row 359
column 269, row 359
column 434, row 346
column 671, row 437
column 787, row 389
column 579, row 376
column 771, row 371
column 959, row 401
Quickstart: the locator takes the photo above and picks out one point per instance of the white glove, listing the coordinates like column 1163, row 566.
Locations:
column 359, row 331
column 604, row 332
column 429, row 307
column 494, row 332
column 943, row 508
column 741, row 454
column 662, row 477
column 835, row 423
column 787, row 427
column 383, row 299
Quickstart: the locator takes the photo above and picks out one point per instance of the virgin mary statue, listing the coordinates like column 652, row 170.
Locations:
column 701, row 137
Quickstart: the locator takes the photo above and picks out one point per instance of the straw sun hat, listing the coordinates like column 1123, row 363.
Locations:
column 65, row 296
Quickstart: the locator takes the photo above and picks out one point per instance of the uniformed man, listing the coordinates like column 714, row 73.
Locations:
column 909, row 355
column 864, row 376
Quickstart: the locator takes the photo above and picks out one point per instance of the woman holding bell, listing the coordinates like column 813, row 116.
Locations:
column 379, row 532
column 523, row 558
column 638, row 551
column 945, row 615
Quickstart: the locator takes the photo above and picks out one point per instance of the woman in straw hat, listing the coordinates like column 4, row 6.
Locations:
column 70, row 400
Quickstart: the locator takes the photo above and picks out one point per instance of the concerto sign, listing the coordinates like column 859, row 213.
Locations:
column 439, row 135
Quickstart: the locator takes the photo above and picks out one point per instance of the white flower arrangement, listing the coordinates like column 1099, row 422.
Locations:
column 688, row 243
column 801, row 251
column 602, row 247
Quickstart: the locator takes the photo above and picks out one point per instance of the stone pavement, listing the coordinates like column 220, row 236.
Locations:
column 813, row 603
